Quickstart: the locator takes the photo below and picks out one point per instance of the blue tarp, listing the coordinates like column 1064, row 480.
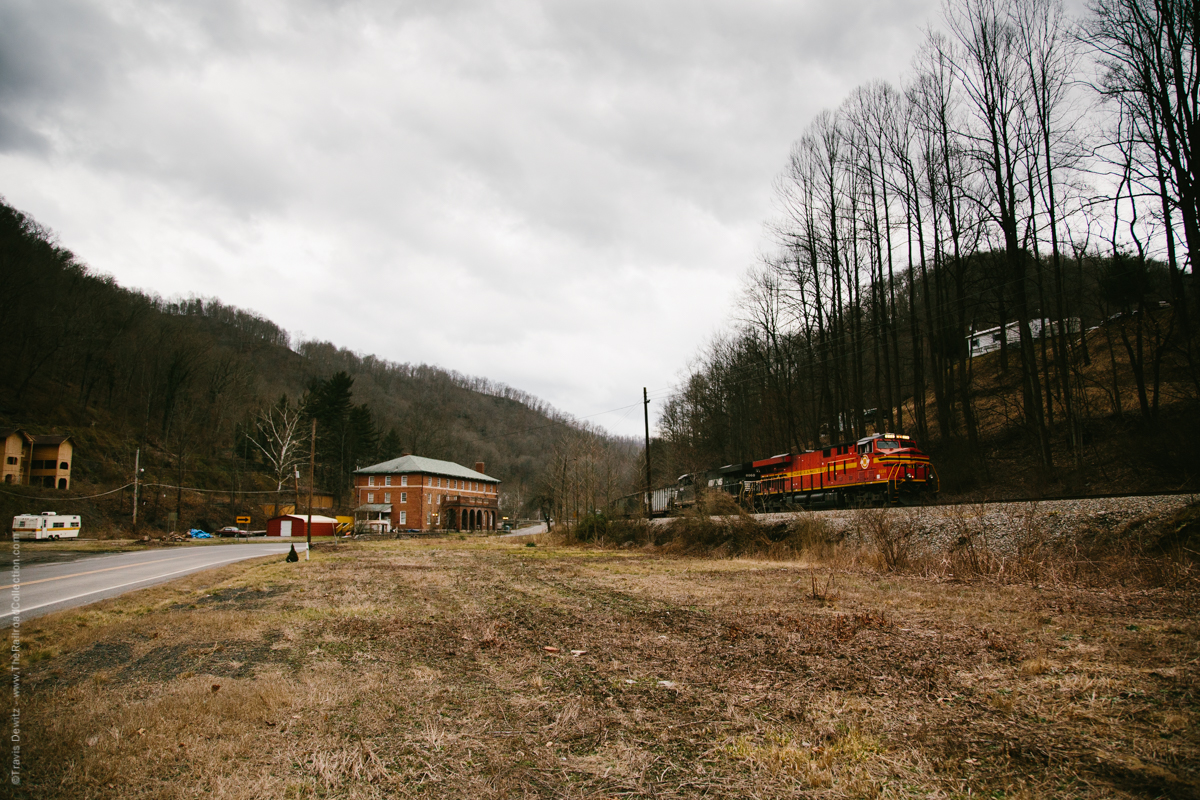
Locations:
column 196, row 533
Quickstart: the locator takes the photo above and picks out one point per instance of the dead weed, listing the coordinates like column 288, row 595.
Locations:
column 489, row 670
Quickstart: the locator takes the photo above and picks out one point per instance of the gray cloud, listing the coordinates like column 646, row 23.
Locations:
column 557, row 195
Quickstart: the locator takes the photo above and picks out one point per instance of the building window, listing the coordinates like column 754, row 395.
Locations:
column 404, row 497
column 403, row 517
column 439, row 499
column 387, row 481
column 64, row 465
column 12, row 459
column 404, row 480
column 370, row 497
column 387, row 497
column 370, row 480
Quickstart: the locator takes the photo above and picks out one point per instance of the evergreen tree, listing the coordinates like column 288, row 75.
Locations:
column 329, row 403
column 390, row 447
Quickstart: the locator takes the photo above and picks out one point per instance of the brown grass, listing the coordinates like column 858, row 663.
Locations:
column 394, row 669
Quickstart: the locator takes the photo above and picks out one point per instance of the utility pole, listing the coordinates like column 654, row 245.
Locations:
column 312, row 462
column 646, row 414
column 137, row 460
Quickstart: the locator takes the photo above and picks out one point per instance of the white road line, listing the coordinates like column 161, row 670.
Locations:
column 194, row 568
column 90, row 572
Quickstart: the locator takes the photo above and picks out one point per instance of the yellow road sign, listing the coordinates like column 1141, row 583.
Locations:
column 243, row 520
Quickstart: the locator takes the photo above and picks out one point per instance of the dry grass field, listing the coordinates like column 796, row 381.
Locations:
column 482, row 669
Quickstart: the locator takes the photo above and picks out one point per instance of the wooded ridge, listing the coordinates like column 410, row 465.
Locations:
column 218, row 399
column 993, row 256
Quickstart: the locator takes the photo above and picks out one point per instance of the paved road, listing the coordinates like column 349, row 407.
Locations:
column 539, row 527
column 52, row 587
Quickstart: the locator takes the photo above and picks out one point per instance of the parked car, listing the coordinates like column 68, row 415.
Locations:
column 232, row 531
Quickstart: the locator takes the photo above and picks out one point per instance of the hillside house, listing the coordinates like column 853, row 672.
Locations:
column 989, row 340
column 37, row 460
column 17, row 445
column 425, row 494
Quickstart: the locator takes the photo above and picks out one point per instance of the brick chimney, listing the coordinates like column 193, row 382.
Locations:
column 479, row 466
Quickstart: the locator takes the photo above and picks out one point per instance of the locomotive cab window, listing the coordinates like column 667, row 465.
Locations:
column 888, row 444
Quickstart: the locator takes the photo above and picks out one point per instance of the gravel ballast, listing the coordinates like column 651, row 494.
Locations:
column 1005, row 526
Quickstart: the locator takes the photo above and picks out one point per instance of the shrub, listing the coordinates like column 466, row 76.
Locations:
column 700, row 534
column 891, row 531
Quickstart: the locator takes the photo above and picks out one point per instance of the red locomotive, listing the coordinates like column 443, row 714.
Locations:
column 884, row 468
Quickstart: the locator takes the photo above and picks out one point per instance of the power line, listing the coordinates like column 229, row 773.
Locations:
column 64, row 497
column 213, row 491
column 568, row 422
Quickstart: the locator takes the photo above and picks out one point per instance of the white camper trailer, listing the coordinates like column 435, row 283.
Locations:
column 46, row 525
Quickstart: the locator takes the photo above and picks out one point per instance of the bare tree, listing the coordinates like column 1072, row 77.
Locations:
column 990, row 72
column 277, row 436
column 1149, row 51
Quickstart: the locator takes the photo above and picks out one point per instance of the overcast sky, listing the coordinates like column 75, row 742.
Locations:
column 561, row 196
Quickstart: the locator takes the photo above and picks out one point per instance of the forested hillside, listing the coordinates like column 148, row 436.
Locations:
column 218, row 401
column 1034, row 174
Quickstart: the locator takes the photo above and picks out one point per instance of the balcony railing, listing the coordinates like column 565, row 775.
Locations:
column 474, row 502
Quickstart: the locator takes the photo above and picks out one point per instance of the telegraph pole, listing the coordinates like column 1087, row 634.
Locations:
column 312, row 462
column 646, row 414
column 137, row 459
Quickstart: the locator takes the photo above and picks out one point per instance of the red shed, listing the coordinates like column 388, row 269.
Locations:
column 293, row 525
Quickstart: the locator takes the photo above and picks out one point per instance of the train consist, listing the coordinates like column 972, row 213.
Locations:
column 884, row 468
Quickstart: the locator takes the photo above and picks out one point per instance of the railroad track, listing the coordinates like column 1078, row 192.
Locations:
column 1111, row 496
column 1007, row 524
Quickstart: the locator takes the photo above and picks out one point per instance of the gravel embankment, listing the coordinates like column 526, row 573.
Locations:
column 1005, row 526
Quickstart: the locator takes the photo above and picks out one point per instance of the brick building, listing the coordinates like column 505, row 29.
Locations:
column 417, row 493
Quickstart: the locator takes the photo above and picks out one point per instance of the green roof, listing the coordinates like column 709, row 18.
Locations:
column 429, row 466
